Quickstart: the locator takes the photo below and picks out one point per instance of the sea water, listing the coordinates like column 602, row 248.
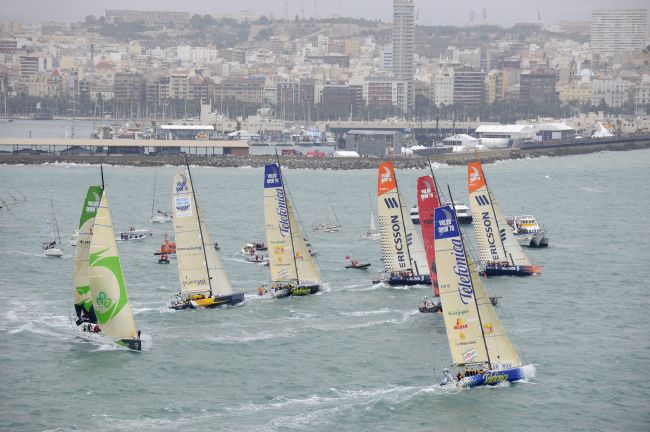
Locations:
column 354, row 357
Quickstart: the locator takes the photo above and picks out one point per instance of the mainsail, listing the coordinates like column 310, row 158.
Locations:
column 289, row 257
column 474, row 332
column 400, row 243
column 428, row 201
column 81, row 285
column 107, row 286
column 495, row 240
column 199, row 267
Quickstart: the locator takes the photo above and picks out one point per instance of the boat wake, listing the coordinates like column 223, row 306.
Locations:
column 245, row 337
column 369, row 313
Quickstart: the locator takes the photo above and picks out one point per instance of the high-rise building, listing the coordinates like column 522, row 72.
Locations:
column 469, row 87
column 616, row 30
column 404, row 46
column 538, row 86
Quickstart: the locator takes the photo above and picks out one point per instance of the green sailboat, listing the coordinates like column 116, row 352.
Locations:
column 101, row 301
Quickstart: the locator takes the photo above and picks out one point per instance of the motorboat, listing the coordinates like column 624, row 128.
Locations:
column 528, row 232
column 463, row 214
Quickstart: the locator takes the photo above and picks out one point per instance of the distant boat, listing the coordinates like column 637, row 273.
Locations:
column 102, row 306
column 50, row 248
column 528, row 232
column 463, row 213
column 158, row 216
column 293, row 270
column 372, row 233
column 202, row 279
column 500, row 252
column 329, row 226
column 405, row 262
column 480, row 349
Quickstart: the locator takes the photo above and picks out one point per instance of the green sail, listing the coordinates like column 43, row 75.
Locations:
column 81, row 287
column 107, row 287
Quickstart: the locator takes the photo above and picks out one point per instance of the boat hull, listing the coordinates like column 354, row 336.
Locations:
column 358, row 266
column 493, row 377
column 538, row 240
column 53, row 253
column 515, row 270
column 210, row 302
column 464, row 219
column 409, row 280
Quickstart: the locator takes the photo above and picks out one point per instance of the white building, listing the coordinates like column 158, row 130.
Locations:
column 442, row 87
column 615, row 92
column 510, row 132
column 404, row 46
column 616, row 30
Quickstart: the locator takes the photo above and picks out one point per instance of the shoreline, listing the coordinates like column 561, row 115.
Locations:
column 332, row 163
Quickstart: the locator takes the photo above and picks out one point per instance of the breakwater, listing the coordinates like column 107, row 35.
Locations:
column 332, row 163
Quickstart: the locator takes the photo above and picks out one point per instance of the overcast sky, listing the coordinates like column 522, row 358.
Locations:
column 431, row 12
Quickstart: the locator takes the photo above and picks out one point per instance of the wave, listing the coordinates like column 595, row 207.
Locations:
column 367, row 313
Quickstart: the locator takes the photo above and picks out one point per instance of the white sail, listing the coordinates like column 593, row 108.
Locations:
column 474, row 332
column 199, row 267
column 496, row 243
column 373, row 228
column 306, row 269
column 401, row 246
column 278, row 227
column 289, row 257
column 107, row 286
column 419, row 262
column 81, row 284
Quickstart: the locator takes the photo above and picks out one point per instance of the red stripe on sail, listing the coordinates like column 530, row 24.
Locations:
column 428, row 201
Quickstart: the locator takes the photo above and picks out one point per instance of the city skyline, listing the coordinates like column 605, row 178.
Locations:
column 509, row 11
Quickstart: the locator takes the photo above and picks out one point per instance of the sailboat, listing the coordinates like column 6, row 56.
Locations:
column 405, row 262
column 293, row 270
column 102, row 306
column 158, row 216
column 428, row 202
column 499, row 251
column 372, row 233
column 480, row 349
column 202, row 278
column 50, row 248
column 329, row 226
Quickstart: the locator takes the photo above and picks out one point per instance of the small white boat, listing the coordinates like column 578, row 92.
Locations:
column 50, row 248
column 73, row 238
column 133, row 234
column 160, row 217
column 528, row 232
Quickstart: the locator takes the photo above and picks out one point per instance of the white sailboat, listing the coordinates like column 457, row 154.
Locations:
column 293, row 270
column 202, row 278
column 50, row 248
column 480, row 349
column 106, row 285
column 329, row 226
column 405, row 261
column 499, row 250
column 158, row 216
column 372, row 233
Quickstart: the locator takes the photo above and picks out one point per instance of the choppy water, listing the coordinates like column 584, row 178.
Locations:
column 356, row 357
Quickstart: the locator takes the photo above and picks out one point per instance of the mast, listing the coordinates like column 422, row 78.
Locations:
column 153, row 199
column 435, row 182
column 198, row 216
column 284, row 190
column 478, row 311
column 401, row 212
column 101, row 169
column 496, row 220
column 332, row 207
